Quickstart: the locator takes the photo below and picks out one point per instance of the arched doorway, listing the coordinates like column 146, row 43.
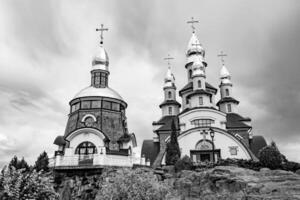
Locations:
column 86, row 151
column 204, row 152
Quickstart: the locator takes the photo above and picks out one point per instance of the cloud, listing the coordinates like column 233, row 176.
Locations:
column 46, row 50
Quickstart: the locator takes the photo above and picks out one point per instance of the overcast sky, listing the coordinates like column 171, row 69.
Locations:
column 46, row 48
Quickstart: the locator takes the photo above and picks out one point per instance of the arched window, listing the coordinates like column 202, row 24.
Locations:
column 86, row 148
column 227, row 92
column 169, row 95
column 190, row 73
column 170, row 110
column 199, row 84
column 229, row 107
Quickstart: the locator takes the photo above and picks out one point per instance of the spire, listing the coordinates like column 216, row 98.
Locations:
column 169, row 79
column 224, row 73
column 192, row 22
column 102, row 29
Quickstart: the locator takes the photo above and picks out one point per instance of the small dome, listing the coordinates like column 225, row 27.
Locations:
column 195, row 46
column 169, row 79
column 198, row 67
column 100, row 58
column 60, row 141
column 101, row 92
column 224, row 73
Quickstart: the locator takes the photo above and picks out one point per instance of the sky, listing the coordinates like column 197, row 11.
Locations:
column 46, row 49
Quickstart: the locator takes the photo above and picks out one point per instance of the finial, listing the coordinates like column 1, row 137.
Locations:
column 168, row 58
column 192, row 21
column 102, row 29
column 222, row 55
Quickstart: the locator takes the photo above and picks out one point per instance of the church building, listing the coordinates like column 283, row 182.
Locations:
column 207, row 130
column 96, row 133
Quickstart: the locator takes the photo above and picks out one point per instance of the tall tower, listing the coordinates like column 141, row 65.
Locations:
column 227, row 103
column 170, row 106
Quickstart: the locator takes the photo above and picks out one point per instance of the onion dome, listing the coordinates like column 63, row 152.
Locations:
column 100, row 59
column 194, row 46
column 169, row 79
column 103, row 92
column 225, row 75
column 198, row 67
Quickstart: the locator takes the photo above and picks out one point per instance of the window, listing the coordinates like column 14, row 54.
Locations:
column 115, row 106
column 227, row 92
column 202, row 122
column 210, row 99
column 86, row 104
column 107, row 105
column 229, row 107
column 169, row 95
column 187, row 101
column 190, row 73
column 86, row 148
column 75, row 107
column 199, row 84
column 200, row 100
column 96, row 104
column 204, row 145
column 170, row 110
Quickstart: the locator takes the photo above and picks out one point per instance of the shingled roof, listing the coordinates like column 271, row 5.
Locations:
column 234, row 120
column 150, row 149
column 190, row 86
column 258, row 142
column 227, row 99
column 169, row 102
column 166, row 123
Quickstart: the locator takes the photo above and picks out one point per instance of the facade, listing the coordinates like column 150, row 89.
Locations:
column 207, row 130
column 96, row 133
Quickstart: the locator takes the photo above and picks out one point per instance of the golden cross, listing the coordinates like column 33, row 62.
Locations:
column 168, row 58
column 192, row 22
column 102, row 29
column 222, row 55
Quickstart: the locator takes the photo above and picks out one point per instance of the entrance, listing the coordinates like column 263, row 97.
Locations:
column 204, row 155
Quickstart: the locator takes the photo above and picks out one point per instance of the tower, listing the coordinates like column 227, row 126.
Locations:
column 169, row 106
column 227, row 103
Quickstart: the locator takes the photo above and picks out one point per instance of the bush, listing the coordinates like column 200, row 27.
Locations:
column 132, row 184
column 290, row 166
column 17, row 184
column 248, row 164
column 184, row 163
column 270, row 157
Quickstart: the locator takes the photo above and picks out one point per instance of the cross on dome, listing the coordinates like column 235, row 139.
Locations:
column 192, row 21
column 222, row 55
column 102, row 29
column 168, row 58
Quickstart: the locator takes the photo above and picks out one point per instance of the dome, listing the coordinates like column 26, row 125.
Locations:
column 224, row 73
column 100, row 58
column 101, row 92
column 60, row 141
column 194, row 45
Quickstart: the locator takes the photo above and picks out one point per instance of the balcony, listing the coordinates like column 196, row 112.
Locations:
column 92, row 161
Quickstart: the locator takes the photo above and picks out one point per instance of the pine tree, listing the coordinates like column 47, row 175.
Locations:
column 18, row 164
column 13, row 162
column 42, row 162
column 173, row 150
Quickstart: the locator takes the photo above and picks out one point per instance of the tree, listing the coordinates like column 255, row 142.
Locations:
column 173, row 150
column 42, row 162
column 18, row 164
column 270, row 157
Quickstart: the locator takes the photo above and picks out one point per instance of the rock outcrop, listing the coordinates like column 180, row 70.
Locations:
column 237, row 183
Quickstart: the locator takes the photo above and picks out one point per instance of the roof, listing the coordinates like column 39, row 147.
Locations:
column 227, row 99
column 59, row 140
column 102, row 92
column 201, row 91
column 234, row 120
column 190, row 86
column 258, row 142
column 150, row 150
column 166, row 123
column 168, row 102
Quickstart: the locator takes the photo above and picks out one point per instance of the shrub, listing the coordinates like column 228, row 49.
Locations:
column 132, row 184
column 270, row 157
column 248, row 164
column 290, row 166
column 184, row 163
